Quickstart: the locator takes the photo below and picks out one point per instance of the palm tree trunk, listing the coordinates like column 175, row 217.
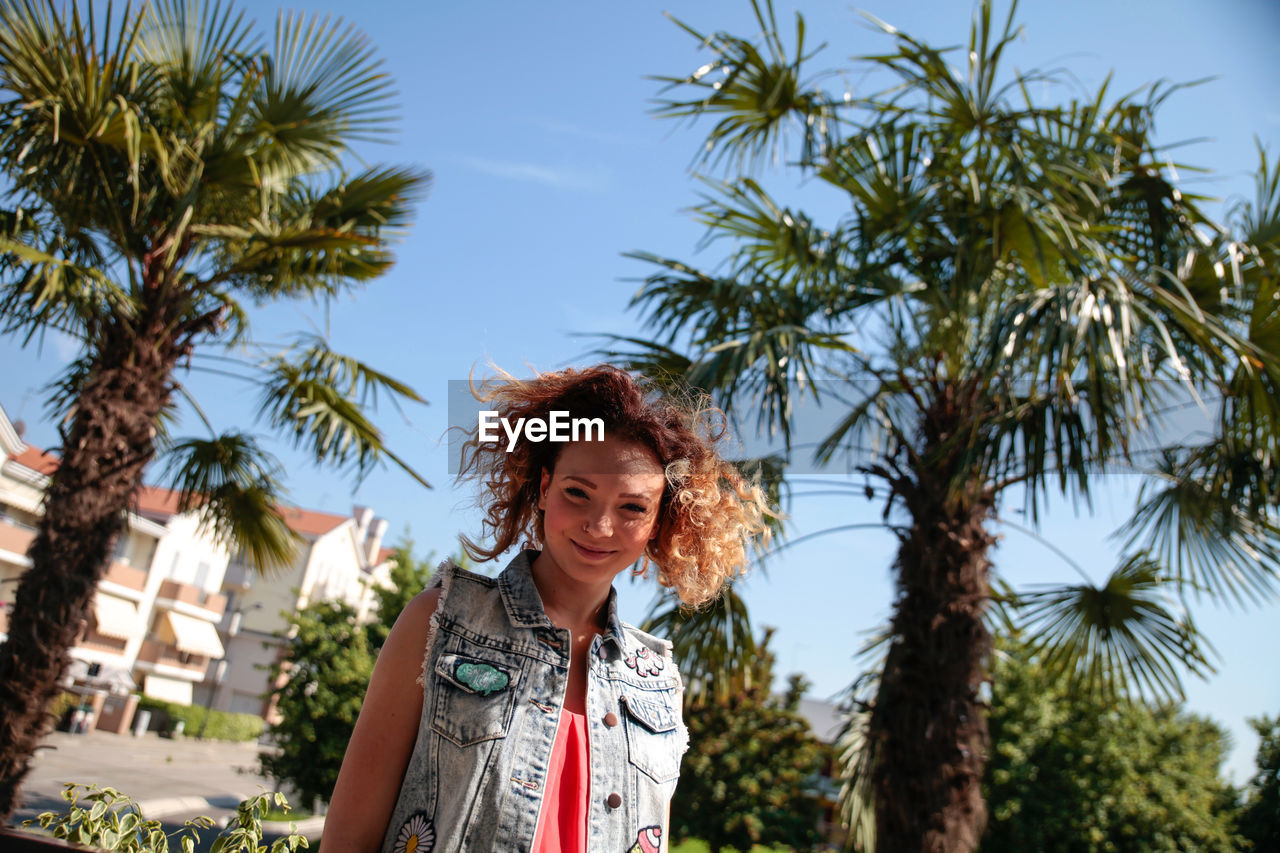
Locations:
column 929, row 722
column 108, row 443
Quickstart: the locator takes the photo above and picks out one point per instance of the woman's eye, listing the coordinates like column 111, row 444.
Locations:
column 640, row 508
column 575, row 492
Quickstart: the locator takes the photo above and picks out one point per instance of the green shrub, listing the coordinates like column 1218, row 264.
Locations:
column 222, row 724
column 107, row 819
column 60, row 706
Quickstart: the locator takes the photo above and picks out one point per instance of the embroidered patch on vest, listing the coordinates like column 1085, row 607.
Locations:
column 645, row 662
column 418, row 835
column 482, row 678
column 648, row 840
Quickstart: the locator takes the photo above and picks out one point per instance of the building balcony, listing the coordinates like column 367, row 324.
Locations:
column 126, row 576
column 168, row 659
column 15, row 537
column 173, row 592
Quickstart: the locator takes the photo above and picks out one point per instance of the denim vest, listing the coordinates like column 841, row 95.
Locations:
column 495, row 675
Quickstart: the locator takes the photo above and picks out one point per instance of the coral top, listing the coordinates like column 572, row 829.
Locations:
column 562, row 824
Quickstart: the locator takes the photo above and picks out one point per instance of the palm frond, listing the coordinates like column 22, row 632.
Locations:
column 49, row 291
column 1209, row 515
column 197, row 48
column 770, row 240
column 758, row 92
column 71, row 116
column 235, row 487
column 323, row 90
column 321, row 240
column 713, row 644
column 856, row 758
column 856, row 753
column 1258, row 220
column 1120, row 639
column 375, row 201
column 655, row 361
column 319, row 397
column 756, row 346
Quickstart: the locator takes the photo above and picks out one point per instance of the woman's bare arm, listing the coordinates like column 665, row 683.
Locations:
column 378, row 753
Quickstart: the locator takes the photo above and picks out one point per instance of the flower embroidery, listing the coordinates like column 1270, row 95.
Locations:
column 418, row 835
column 648, row 840
column 645, row 662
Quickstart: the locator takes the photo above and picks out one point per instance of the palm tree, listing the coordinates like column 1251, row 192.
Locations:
column 1016, row 299
column 163, row 166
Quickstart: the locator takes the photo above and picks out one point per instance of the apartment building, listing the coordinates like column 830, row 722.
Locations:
column 340, row 558
column 149, row 629
column 175, row 617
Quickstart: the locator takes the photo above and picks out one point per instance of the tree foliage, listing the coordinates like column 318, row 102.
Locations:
column 408, row 577
column 328, row 664
column 1015, row 298
column 325, row 674
column 1260, row 815
column 751, row 762
column 1071, row 773
column 165, row 168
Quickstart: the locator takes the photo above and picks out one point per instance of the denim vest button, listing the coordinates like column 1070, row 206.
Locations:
column 610, row 719
column 614, row 801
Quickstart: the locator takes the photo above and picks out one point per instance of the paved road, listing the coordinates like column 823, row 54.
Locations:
column 170, row 779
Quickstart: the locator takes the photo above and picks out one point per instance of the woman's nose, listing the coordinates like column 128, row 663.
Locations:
column 599, row 525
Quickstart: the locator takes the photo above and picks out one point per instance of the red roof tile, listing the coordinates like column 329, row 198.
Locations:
column 159, row 501
column 306, row 521
column 40, row 461
column 154, row 500
column 384, row 554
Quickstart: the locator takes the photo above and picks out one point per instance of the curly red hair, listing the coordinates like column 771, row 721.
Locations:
column 708, row 513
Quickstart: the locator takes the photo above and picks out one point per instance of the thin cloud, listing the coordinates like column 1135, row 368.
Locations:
column 591, row 134
column 593, row 179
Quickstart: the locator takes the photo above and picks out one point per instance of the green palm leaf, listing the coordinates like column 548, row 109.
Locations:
column 713, row 644
column 323, row 90
column 52, row 292
column 1209, row 516
column 318, row 398
column 1125, row 635
column 758, row 96
column 234, row 484
column 321, row 240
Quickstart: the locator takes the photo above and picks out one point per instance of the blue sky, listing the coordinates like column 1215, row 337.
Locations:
column 548, row 166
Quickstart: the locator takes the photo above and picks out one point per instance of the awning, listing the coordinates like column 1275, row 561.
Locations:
column 194, row 636
column 117, row 618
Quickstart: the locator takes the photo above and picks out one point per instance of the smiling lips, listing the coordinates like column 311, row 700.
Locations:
column 590, row 553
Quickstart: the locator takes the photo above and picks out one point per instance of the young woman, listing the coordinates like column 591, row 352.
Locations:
column 519, row 713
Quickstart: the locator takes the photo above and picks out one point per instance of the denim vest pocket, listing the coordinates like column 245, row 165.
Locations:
column 654, row 742
column 475, row 696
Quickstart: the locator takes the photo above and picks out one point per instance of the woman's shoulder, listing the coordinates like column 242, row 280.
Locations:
column 636, row 637
column 648, row 655
column 425, row 603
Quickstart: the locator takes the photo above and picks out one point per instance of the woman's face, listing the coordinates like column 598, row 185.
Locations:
column 600, row 507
